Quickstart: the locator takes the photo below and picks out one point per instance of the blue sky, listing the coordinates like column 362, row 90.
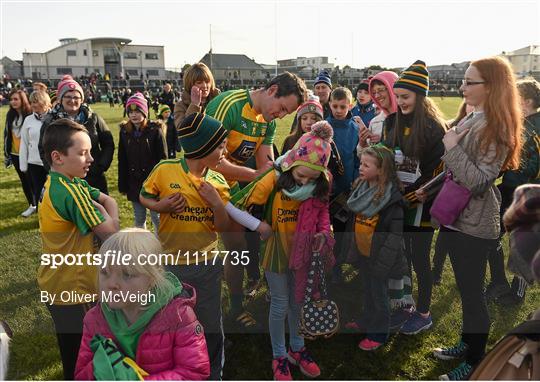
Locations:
column 357, row 33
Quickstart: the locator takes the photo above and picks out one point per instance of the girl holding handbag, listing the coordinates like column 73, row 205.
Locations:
column 487, row 142
column 295, row 195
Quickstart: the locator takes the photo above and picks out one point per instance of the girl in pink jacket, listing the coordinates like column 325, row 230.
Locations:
column 144, row 326
column 295, row 196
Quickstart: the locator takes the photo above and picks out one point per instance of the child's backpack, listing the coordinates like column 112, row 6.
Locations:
column 515, row 357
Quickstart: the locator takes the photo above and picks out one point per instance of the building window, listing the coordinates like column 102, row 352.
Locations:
column 64, row 71
column 152, row 72
column 84, row 52
column 95, row 53
column 132, row 72
column 71, row 53
column 151, row 56
column 130, row 55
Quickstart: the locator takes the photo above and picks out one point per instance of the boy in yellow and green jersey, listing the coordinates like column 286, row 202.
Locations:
column 70, row 212
column 191, row 198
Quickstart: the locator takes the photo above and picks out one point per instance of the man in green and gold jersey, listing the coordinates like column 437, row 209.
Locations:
column 249, row 118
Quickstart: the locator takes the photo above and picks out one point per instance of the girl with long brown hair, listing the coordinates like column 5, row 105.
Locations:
column 482, row 145
column 19, row 109
column 416, row 130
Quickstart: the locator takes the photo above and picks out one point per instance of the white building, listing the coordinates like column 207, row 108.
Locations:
column 526, row 61
column 96, row 55
column 305, row 66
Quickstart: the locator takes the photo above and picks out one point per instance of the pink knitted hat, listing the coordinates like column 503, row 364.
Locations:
column 312, row 105
column 68, row 84
column 312, row 149
column 137, row 102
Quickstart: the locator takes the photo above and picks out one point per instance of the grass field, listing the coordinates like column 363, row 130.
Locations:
column 34, row 349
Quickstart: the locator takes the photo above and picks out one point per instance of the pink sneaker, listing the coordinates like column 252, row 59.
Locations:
column 303, row 359
column 369, row 345
column 280, row 368
column 354, row 325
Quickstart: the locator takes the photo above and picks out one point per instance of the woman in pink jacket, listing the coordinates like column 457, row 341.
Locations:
column 145, row 319
column 381, row 90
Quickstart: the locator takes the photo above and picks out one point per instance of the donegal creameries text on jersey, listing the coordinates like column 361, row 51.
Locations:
column 192, row 229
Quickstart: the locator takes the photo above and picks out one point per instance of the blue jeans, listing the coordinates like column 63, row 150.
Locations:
column 139, row 212
column 283, row 305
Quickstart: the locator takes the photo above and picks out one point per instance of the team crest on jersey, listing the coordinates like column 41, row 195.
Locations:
column 245, row 150
column 244, row 125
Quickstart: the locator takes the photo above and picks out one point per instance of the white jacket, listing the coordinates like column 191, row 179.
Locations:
column 29, row 152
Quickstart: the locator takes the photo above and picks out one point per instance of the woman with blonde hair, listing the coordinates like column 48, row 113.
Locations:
column 482, row 145
column 29, row 158
column 199, row 89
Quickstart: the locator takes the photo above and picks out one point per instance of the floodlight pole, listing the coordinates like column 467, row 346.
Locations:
column 211, row 47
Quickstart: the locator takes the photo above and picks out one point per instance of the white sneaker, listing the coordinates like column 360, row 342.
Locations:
column 29, row 211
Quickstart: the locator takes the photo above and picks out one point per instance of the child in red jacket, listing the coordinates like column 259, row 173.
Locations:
column 145, row 318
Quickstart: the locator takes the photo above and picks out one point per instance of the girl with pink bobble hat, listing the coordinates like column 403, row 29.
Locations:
column 141, row 146
column 295, row 195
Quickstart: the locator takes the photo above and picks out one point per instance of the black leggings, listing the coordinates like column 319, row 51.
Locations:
column 253, row 245
column 468, row 255
column 496, row 257
column 38, row 176
column 439, row 257
column 206, row 279
column 68, row 325
column 417, row 249
column 25, row 181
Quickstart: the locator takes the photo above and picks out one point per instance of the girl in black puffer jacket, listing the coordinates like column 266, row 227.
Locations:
column 141, row 146
column 378, row 230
